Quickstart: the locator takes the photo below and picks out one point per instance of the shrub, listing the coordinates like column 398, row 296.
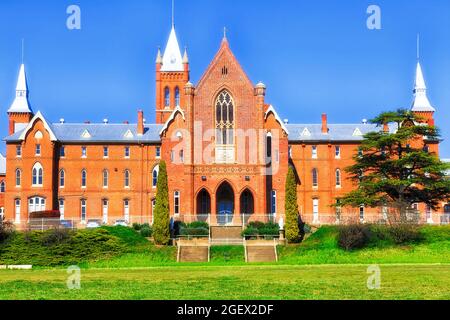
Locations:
column 198, row 224
column 6, row 230
column 250, row 232
column 261, row 229
column 137, row 226
column 405, row 233
column 355, row 236
column 55, row 237
column 292, row 230
column 146, row 231
column 161, row 224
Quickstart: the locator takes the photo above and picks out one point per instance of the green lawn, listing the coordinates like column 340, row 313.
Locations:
column 117, row 263
column 233, row 282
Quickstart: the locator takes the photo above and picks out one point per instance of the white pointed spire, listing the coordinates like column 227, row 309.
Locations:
column 21, row 103
column 172, row 60
column 185, row 56
column 421, row 102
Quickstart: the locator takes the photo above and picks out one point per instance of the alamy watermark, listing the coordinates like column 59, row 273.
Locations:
column 74, row 20
column 374, row 19
column 374, row 279
column 74, row 279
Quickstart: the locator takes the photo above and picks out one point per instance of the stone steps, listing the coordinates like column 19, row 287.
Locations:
column 261, row 254
column 193, row 254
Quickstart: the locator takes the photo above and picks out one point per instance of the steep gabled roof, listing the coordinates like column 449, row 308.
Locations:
column 171, row 118
column 47, row 127
column 271, row 109
column 223, row 50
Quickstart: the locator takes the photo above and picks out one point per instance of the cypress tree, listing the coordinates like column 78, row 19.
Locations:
column 161, row 219
column 291, row 208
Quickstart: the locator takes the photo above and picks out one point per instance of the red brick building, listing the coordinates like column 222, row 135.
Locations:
column 227, row 153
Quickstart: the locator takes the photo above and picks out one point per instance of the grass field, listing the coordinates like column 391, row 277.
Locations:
column 120, row 264
column 234, row 282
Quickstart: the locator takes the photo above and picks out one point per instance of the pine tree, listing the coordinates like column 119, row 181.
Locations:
column 395, row 170
column 291, row 208
column 161, row 222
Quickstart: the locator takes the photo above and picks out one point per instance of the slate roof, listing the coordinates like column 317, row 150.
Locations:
column 337, row 132
column 74, row 133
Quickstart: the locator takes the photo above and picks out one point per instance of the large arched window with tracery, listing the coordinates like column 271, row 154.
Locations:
column 225, row 119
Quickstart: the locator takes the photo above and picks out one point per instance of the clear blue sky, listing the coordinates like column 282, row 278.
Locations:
column 314, row 56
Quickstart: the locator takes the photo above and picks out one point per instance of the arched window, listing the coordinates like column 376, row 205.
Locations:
column 224, row 119
column 176, row 202
column 18, row 177
column 177, row 97
column 62, row 179
column 37, row 174
column 155, row 174
column 338, row 178
column 167, row 97
column 2, row 187
column 83, row 178
column 105, row 178
column 315, row 178
column 127, row 178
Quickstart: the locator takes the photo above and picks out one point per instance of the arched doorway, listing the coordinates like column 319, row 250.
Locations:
column 203, row 205
column 247, row 205
column 225, row 204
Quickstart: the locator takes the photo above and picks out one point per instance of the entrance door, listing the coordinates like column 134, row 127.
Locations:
column 17, row 210
column 105, row 211
column 225, row 204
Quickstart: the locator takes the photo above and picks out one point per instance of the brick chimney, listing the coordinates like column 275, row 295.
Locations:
column 324, row 123
column 140, row 124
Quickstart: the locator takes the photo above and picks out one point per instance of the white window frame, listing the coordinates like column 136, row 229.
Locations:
column 84, row 152
column 126, row 210
column 105, row 178
column 61, row 207
column 314, row 152
column 429, row 214
column 38, row 150
column 273, row 202
column 83, row 180
column 338, row 175
column 2, row 213
column 62, row 152
column 126, row 152
column 176, row 202
column 105, row 210
column 18, row 177
column 177, row 97
column 2, row 186
column 337, row 152
column 315, row 182
column 362, row 213
column 83, row 210
column 158, row 152
column 316, row 210
column 105, row 152
column 17, row 210
column 37, row 175
column 36, row 204
column 18, row 151
column 127, row 179
column 62, row 179
column 155, row 169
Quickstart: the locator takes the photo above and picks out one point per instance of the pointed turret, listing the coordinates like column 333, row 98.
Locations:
column 20, row 112
column 421, row 102
column 185, row 56
column 172, row 60
column 21, row 103
column 159, row 58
